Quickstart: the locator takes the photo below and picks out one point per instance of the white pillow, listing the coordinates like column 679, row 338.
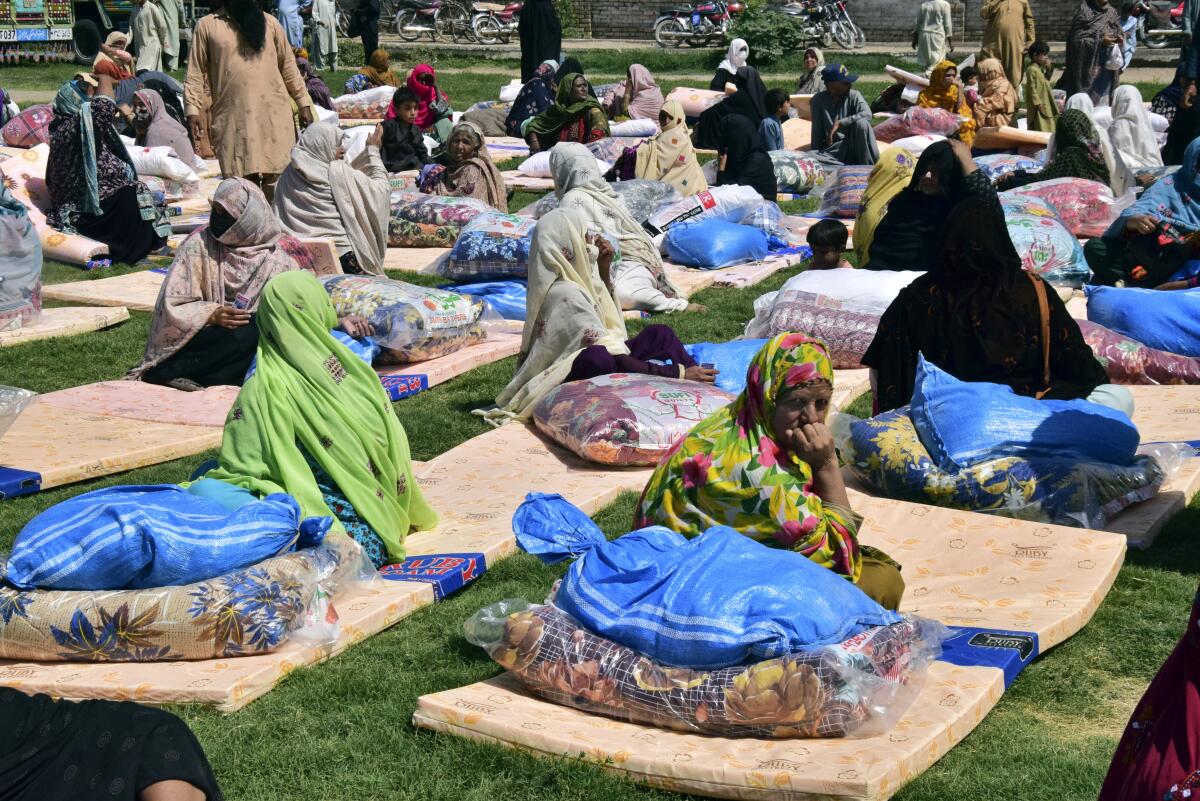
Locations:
column 509, row 92
column 162, row 162
column 866, row 291
column 634, row 128
column 538, row 165
column 917, row 144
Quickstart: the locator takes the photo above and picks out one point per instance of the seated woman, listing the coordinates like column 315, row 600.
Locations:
column 377, row 72
column 750, row 101
column 576, row 116
column 535, row 96
column 574, row 328
column 466, row 170
column 320, row 194
column 433, row 107
column 638, row 279
column 736, row 56
column 1147, row 243
column 980, row 317
column 314, row 422
column 944, row 92
column 316, row 87
column 811, row 81
column 154, row 127
column 766, row 466
column 1158, row 757
column 667, row 156
column 203, row 332
column 1076, row 152
column 889, row 177
column 58, row 750
column 637, row 97
column 997, row 103
column 113, row 60
column 742, row 158
column 915, row 216
column 93, row 186
column 1131, row 134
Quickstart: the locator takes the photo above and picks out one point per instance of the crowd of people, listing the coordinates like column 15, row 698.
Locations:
column 240, row 304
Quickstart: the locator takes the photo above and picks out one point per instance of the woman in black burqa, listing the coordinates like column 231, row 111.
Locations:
column 541, row 36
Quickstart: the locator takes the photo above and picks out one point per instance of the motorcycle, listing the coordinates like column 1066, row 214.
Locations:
column 840, row 14
column 695, row 25
column 437, row 18
column 1157, row 22
column 495, row 22
column 817, row 23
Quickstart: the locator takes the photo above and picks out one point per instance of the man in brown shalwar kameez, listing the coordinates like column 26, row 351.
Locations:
column 1008, row 31
column 243, row 76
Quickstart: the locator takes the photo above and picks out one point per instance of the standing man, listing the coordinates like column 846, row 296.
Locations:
column 243, row 75
column 932, row 35
column 368, row 27
column 149, row 34
column 173, row 12
column 324, row 47
column 541, row 36
column 1008, row 31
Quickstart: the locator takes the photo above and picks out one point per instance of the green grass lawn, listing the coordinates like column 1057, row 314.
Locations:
column 342, row 730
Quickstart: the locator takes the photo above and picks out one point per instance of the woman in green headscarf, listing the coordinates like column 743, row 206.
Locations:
column 576, row 116
column 765, row 465
column 314, row 422
column 1076, row 151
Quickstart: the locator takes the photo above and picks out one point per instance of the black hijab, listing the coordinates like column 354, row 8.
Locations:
column 746, row 160
column 976, row 315
column 914, row 219
column 751, row 98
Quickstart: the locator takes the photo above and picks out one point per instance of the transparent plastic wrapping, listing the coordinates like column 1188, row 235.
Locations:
column 1086, row 208
column 243, row 613
column 858, row 688
column 29, row 128
column 843, row 195
column 493, row 246
column 917, row 121
column 410, row 323
column 20, row 263
column 625, row 419
column 417, row 220
column 847, row 333
column 724, row 202
column 887, row 455
column 1045, row 245
column 369, row 104
column 641, row 196
column 999, row 166
column 1128, row 361
column 796, row 172
column 13, row 401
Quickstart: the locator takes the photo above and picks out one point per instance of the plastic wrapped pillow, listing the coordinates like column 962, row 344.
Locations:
column 846, row 332
column 418, row 220
column 796, row 172
column 887, row 455
column 861, row 685
column 917, row 121
column 30, row 127
column 724, row 202
column 368, row 104
column 1130, row 362
column 625, row 419
column 844, row 194
column 411, row 323
column 642, row 128
column 1086, row 208
column 642, row 197
column 1045, row 245
column 1001, row 165
column 162, row 162
column 493, row 246
column 538, row 165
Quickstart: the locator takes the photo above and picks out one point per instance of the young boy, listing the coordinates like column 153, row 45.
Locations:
column 828, row 241
column 403, row 146
column 1041, row 109
column 778, row 110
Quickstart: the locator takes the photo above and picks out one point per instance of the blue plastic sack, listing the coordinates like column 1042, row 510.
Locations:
column 153, row 536
column 712, row 244
column 731, row 359
column 963, row 423
column 364, row 349
column 1168, row 321
column 506, row 298
column 717, row 600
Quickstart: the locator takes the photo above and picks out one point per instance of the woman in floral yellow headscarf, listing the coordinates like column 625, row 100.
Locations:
column 944, row 92
column 766, row 466
column 892, row 173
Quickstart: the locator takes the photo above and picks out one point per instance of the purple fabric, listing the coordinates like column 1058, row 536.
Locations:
column 654, row 342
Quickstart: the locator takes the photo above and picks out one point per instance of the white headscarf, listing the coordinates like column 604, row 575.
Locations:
column 1131, row 133
column 320, row 195
column 735, row 56
column 568, row 308
column 578, row 184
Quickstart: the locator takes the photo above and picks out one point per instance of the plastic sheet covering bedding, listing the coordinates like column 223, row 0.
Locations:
column 1167, row 321
column 730, row 359
column 506, row 298
column 625, row 419
column 732, row 203
column 846, row 332
column 1014, row 588
column 13, row 401
column 1045, row 245
column 1086, row 208
column 369, row 104
column 642, row 197
column 843, row 193
column 858, row 290
column 493, row 246
column 139, row 537
column 1001, row 165
column 476, row 487
column 410, row 323
column 796, row 172
column 25, row 176
column 917, row 121
column 243, row 612
column 418, row 220
column 1128, row 361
